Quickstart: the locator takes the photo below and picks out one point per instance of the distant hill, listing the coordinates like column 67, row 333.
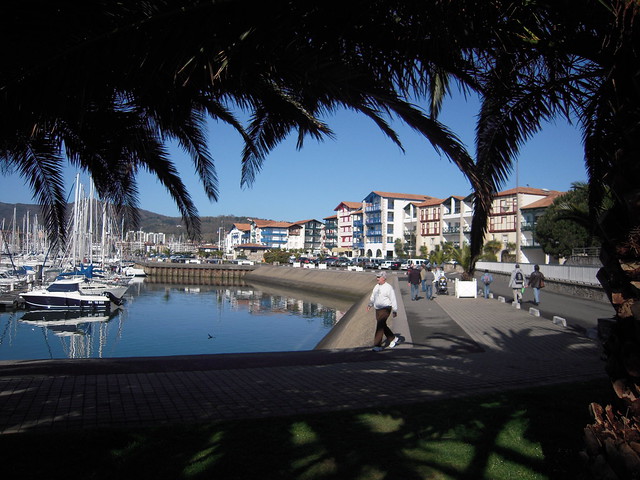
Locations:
column 149, row 221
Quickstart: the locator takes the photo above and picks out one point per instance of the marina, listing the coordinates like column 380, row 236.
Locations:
column 162, row 319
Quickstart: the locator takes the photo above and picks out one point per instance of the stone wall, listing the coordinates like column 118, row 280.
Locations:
column 357, row 327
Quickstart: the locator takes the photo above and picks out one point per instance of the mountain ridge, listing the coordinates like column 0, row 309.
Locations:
column 150, row 222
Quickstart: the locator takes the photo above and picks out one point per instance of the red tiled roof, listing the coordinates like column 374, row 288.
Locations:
column 271, row 223
column 351, row 205
column 526, row 190
column 407, row 196
column 430, row 202
column 544, row 202
column 242, row 226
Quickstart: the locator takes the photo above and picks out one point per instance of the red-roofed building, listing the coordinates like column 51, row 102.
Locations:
column 330, row 232
column 385, row 221
column 239, row 234
column 306, row 235
column 345, row 226
column 531, row 203
column 270, row 233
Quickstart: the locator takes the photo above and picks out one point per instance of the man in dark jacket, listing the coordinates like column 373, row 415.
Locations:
column 413, row 275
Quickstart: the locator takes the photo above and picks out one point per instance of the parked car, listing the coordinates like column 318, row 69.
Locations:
column 331, row 261
column 396, row 265
column 371, row 263
column 357, row 262
column 386, row 265
column 343, row 262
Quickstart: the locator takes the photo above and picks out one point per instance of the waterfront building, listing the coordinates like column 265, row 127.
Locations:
column 306, row 235
column 358, row 244
column 384, row 221
column 239, row 234
column 429, row 231
column 330, row 232
column 532, row 250
column 508, row 224
column 269, row 233
column 345, row 226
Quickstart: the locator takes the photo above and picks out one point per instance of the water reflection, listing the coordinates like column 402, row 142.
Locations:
column 167, row 319
column 75, row 330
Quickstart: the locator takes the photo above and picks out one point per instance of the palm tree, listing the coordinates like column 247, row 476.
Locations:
column 106, row 84
column 581, row 63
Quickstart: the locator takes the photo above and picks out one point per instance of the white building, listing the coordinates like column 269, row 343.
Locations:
column 384, row 221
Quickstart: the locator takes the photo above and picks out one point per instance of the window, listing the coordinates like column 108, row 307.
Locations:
column 390, row 204
column 389, row 216
column 390, row 240
column 390, row 228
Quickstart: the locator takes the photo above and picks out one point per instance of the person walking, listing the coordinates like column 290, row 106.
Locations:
column 486, row 280
column 428, row 280
column 383, row 300
column 413, row 276
column 516, row 282
column 423, row 272
column 536, row 281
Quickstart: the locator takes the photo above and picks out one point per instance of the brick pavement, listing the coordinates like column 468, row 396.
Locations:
column 518, row 350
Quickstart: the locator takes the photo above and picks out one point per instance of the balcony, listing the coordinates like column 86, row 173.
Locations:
column 358, row 244
column 527, row 227
column 374, row 207
column 465, row 229
column 374, row 221
column 357, row 223
column 374, row 233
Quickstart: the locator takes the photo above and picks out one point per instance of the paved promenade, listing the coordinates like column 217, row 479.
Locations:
column 452, row 347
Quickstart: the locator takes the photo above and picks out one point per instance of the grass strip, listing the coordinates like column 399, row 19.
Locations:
column 525, row 434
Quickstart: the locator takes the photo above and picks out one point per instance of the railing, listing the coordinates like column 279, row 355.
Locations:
column 586, row 252
column 465, row 229
column 563, row 273
column 373, row 221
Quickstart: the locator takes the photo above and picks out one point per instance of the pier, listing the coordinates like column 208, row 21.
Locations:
column 205, row 274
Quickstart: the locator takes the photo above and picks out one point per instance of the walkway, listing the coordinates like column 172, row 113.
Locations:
column 457, row 347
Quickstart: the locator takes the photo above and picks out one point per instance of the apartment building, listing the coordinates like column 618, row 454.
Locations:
column 239, row 234
column 345, row 225
column 449, row 220
column 330, row 232
column 384, row 221
column 269, row 233
column 306, row 235
column 513, row 216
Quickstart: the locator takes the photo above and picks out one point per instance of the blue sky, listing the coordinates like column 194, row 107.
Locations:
column 297, row 185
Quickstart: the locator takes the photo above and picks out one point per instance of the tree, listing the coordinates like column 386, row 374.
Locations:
column 105, row 84
column 565, row 224
column 399, row 249
column 276, row 255
column 462, row 256
column 490, row 250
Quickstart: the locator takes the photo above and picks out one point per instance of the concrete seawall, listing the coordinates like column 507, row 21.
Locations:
column 357, row 327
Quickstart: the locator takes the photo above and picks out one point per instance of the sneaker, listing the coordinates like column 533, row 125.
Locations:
column 377, row 349
column 394, row 342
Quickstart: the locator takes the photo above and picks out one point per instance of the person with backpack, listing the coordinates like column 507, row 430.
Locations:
column 486, row 280
column 536, row 281
column 516, row 282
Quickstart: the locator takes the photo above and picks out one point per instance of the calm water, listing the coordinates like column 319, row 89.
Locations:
column 163, row 320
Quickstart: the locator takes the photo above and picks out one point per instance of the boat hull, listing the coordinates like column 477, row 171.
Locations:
column 43, row 300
